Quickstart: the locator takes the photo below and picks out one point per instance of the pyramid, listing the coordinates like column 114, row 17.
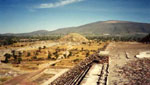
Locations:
column 74, row 37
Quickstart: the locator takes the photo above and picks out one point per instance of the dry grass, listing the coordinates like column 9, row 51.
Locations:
column 2, row 79
column 29, row 64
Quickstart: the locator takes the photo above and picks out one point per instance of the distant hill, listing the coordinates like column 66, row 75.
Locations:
column 34, row 33
column 108, row 28
column 98, row 28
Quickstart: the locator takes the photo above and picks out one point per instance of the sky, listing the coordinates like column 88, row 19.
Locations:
column 20, row 16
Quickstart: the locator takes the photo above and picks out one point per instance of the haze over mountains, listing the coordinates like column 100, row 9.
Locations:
column 97, row 28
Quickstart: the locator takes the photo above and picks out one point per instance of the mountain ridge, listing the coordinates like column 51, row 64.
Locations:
column 110, row 27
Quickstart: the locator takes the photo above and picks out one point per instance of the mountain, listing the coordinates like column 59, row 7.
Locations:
column 110, row 27
column 34, row 33
column 38, row 33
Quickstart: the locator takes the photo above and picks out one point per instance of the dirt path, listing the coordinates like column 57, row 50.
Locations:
column 55, row 77
column 26, row 79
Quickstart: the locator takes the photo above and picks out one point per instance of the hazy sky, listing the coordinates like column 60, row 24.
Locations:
column 17, row 16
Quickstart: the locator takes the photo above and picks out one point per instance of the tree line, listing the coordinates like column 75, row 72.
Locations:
column 114, row 38
column 8, row 40
column 146, row 39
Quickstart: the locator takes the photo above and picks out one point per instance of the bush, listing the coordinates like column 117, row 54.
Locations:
column 87, row 54
column 19, row 60
column 137, row 72
column 28, row 54
column 49, row 55
column 39, row 49
column 76, row 60
column 7, row 56
column 44, row 47
column 34, row 57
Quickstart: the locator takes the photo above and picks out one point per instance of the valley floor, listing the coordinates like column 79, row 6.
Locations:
column 120, row 53
column 41, row 70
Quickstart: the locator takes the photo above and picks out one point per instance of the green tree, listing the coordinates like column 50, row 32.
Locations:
column 87, row 53
column 20, row 54
column 15, row 57
column 36, row 53
column 44, row 47
column 13, row 54
column 19, row 60
column 7, row 56
column 70, row 54
column 49, row 55
column 82, row 49
column 34, row 57
column 40, row 49
column 28, row 54
column 56, row 54
column 65, row 55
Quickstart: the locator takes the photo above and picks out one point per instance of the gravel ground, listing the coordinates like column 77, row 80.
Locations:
column 121, row 53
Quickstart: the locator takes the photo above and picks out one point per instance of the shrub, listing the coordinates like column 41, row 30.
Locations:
column 70, row 54
column 7, row 56
column 76, row 60
column 56, row 54
column 49, row 55
column 28, row 54
column 19, row 60
column 44, row 47
column 87, row 54
column 39, row 49
column 34, row 57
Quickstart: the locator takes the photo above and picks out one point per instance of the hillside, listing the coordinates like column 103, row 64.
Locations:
column 109, row 28
column 34, row 33
column 98, row 28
